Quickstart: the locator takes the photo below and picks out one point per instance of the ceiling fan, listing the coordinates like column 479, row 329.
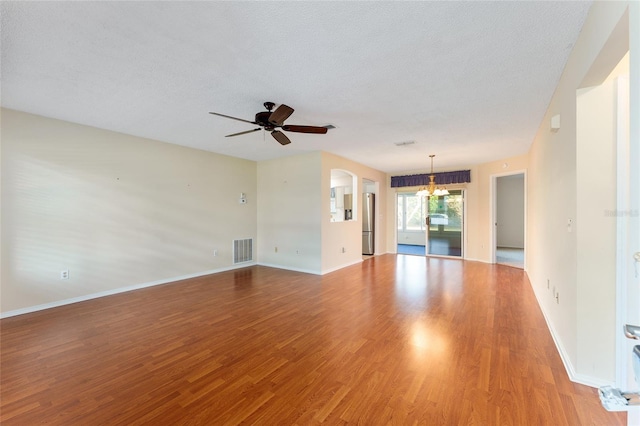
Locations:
column 271, row 121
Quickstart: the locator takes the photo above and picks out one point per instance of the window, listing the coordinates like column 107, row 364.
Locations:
column 411, row 213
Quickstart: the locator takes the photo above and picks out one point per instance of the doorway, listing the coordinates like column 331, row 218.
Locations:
column 430, row 226
column 509, row 223
column 627, row 218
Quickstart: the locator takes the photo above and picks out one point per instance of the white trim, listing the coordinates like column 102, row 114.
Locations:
column 470, row 259
column 355, row 262
column 622, row 229
column 633, row 290
column 465, row 234
column 493, row 207
column 582, row 379
column 288, row 268
column 440, row 256
column 310, row 271
column 493, row 210
column 58, row 303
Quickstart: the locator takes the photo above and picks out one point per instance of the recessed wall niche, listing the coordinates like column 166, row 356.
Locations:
column 344, row 190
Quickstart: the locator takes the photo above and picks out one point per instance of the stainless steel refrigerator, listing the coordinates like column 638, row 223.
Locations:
column 368, row 223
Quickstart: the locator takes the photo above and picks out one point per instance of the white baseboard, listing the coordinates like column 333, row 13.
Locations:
column 288, row 268
column 309, row 271
column 490, row 263
column 355, row 262
column 593, row 382
column 582, row 379
column 58, row 303
column 476, row 260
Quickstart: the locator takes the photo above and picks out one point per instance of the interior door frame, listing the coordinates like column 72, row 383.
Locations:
column 632, row 294
column 627, row 230
column 628, row 225
column 493, row 214
column 624, row 239
column 628, row 221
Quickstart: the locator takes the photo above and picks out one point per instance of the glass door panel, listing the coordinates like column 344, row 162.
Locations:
column 444, row 233
column 411, row 224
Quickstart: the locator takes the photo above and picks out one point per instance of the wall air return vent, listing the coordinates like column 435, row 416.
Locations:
column 242, row 250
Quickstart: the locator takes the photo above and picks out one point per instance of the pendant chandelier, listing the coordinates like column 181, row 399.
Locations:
column 431, row 189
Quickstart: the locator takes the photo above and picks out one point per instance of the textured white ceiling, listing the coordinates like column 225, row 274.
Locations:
column 467, row 81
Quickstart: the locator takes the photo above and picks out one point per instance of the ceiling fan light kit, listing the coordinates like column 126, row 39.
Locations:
column 271, row 120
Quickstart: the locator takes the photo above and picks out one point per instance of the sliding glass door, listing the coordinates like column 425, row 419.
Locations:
column 443, row 214
column 411, row 230
column 444, row 233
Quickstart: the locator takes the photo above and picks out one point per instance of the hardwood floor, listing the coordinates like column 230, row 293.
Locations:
column 396, row 339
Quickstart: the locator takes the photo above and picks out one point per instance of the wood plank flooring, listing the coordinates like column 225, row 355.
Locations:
column 395, row 340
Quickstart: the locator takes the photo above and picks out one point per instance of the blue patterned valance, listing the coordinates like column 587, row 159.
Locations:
column 444, row 178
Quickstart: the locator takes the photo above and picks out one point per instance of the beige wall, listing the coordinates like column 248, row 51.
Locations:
column 574, row 263
column 120, row 212
column 115, row 210
column 289, row 212
column 393, row 237
column 348, row 234
column 558, row 181
column 595, row 230
column 477, row 236
column 629, row 298
column 480, row 204
column 294, row 213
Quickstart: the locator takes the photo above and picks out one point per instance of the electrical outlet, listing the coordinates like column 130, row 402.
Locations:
column 344, row 250
column 64, row 275
column 297, row 251
column 215, row 253
column 275, row 249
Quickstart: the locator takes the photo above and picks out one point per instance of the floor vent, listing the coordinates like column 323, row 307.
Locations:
column 242, row 250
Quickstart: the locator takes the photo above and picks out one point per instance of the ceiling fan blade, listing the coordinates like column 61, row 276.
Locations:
column 305, row 129
column 281, row 113
column 280, row 137
column 233, row 118
column 243, row 133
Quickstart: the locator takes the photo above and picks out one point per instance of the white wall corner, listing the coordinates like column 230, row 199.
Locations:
column 335, row 268
column 290, row 268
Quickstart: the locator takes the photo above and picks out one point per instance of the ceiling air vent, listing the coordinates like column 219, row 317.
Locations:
column 404, row 143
